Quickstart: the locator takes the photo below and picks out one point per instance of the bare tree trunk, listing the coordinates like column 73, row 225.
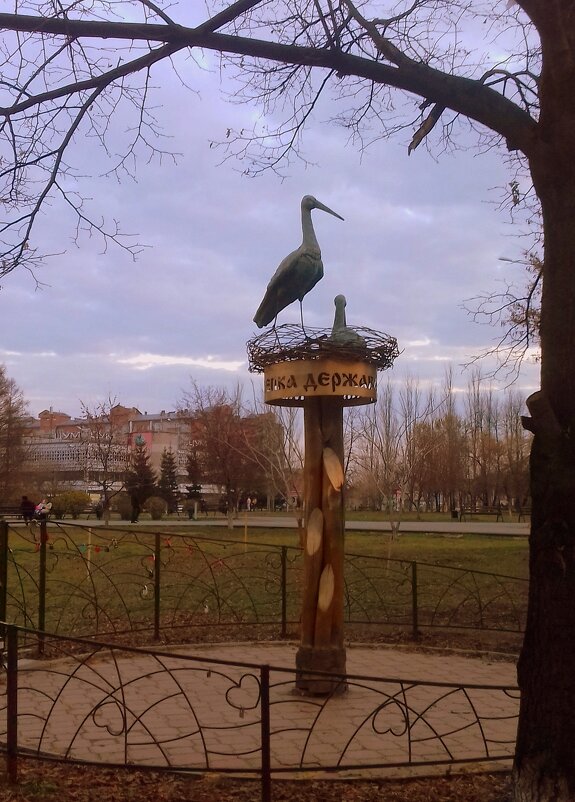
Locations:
column 107, row 510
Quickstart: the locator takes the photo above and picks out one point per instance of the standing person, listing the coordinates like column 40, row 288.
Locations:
column 136, row 508
column 27, row 508
column 99, row 509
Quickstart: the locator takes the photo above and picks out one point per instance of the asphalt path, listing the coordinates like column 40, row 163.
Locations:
column 452, row 528
column 434, row 527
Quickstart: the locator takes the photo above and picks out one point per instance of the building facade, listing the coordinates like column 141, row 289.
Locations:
column 77, row 451
column 235, row 455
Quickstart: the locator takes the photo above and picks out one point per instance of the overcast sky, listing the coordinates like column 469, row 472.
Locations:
column 421, row 235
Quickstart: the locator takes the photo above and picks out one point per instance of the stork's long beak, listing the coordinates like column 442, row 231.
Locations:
column 319, row 205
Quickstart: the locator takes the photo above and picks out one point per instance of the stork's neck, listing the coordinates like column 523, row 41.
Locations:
column 309, row 238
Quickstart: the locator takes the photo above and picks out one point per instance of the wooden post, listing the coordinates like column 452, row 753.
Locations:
column 321, row 647
column 323, row 387
column 322, row 372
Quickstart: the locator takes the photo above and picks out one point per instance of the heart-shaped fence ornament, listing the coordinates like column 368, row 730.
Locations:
column 391, row 718
column 110, row 716
column 245, row 694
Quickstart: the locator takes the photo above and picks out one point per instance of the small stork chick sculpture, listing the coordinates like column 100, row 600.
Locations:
column 298, row 273
column 340, row 332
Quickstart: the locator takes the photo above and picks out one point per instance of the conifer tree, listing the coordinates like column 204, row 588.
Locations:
column 140, row 479
column 168, row 484
column 193, row 469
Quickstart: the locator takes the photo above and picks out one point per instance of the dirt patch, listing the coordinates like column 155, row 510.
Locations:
column 48, row 782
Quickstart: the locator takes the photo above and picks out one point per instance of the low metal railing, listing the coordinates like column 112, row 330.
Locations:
column 112, row 705
column 77, row 580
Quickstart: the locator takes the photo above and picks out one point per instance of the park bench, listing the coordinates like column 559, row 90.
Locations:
column 213, row 507
column 85, row 513
column 466, row 513
column 10, row 511
column 88, row 512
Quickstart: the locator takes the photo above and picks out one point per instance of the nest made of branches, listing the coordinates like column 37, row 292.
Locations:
column 289, row 342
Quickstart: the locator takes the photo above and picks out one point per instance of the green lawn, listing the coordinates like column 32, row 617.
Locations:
column 496, row 554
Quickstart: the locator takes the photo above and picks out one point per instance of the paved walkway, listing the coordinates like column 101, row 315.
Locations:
column 185, row 711
column 507, row 529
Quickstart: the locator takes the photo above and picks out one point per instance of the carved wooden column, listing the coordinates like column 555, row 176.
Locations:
column 321, row 646
column 323, row 387
column 322, row 371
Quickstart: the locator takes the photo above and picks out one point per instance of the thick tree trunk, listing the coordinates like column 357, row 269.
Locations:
column 545, row 757
column 544, row 768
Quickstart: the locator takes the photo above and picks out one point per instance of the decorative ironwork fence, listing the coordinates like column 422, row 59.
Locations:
column 116, row 706
column 77, row 580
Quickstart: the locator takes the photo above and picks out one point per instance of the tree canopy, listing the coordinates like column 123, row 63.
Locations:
column 13, row 415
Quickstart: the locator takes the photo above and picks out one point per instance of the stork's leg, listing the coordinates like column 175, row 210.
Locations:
column 305, row 334
column 276, row 331
column 301, row 316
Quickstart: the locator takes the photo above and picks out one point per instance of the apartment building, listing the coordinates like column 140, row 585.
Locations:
column 70, row 449
column 83, row 453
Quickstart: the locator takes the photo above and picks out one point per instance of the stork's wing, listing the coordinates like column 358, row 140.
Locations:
column 294, row 278
column 280, row 290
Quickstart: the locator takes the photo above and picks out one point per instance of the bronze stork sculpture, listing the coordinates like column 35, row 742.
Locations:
column 298, row 273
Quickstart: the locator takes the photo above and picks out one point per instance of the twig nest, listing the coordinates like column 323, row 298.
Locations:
column 289, row 342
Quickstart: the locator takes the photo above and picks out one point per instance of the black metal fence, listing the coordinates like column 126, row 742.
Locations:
column 113, row 705
column 79, row 581
column 64, row 586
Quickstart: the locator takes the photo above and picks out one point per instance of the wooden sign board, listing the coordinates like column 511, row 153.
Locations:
column 290, row 383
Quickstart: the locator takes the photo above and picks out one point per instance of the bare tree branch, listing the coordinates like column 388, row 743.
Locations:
column 518, row 313
column 59, row 81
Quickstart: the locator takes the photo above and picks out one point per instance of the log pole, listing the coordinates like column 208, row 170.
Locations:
column 322, row 371
column 321, row 647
